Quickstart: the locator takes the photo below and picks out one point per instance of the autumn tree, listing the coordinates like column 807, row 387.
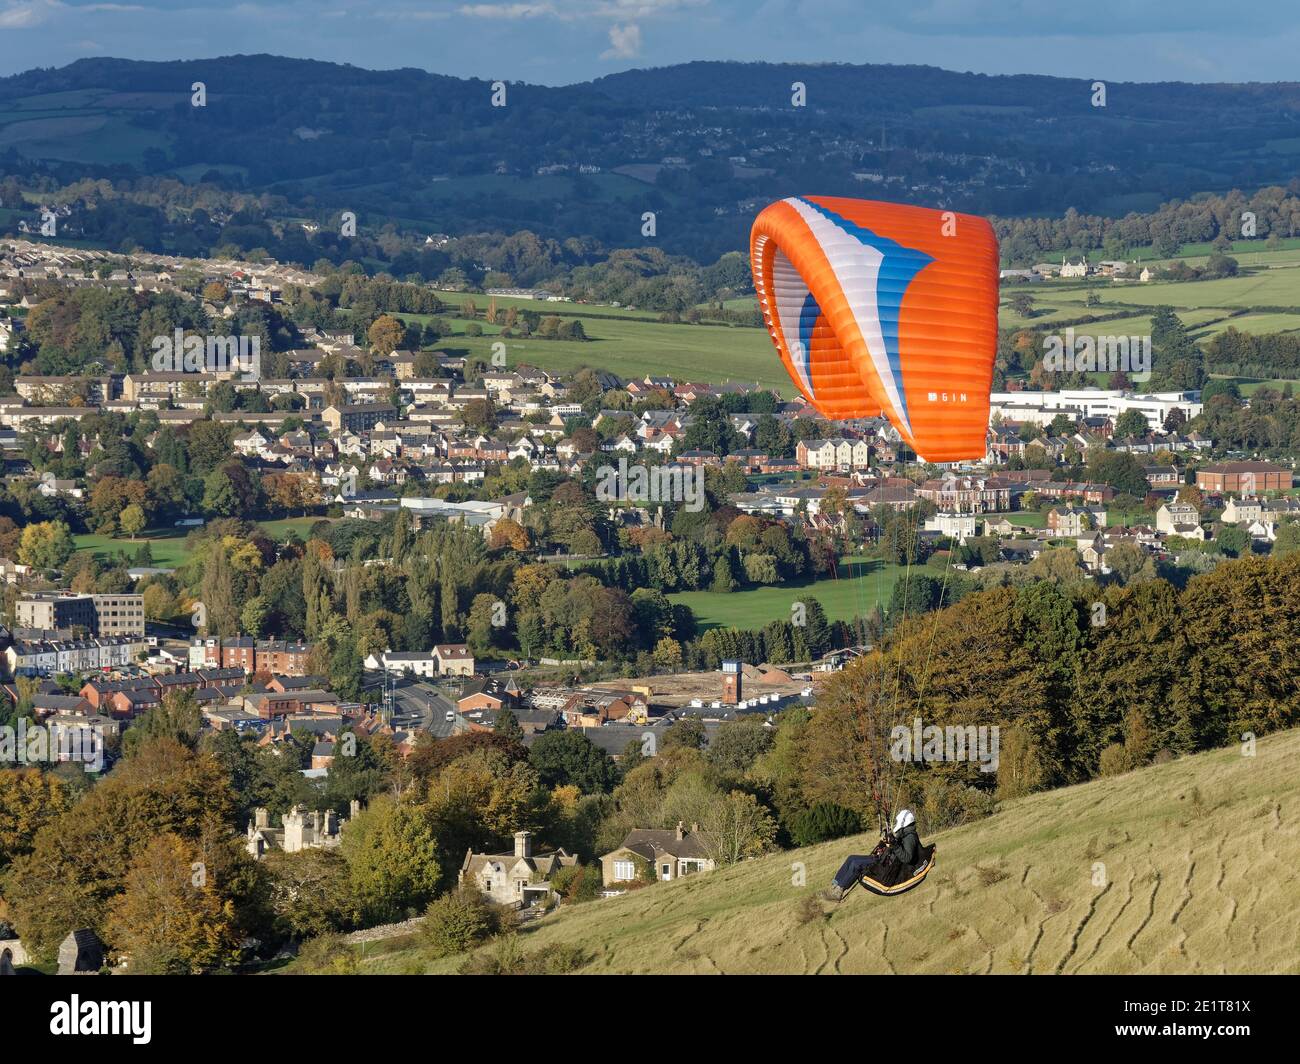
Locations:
column 385, row 334
column 29, row 799
column 78, row 862
column 169, row 918
column 133, row 520
column 46, row 545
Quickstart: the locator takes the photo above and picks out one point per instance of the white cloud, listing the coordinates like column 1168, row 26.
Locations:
column 21, row 16
column 576, row 10
column 507, row 11
column 625, row 42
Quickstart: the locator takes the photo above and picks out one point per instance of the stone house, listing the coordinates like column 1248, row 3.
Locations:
column 319, row 830
column 453, row 659
column 520, row 879
column 671, row 854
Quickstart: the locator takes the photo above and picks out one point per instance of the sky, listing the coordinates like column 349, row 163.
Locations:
column 557, row 42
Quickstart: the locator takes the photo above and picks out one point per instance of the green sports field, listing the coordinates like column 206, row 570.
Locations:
column 861, row 585
column 168, row 544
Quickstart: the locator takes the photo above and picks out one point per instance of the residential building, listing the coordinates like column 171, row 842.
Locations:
column 667, row 855
column 520, row 878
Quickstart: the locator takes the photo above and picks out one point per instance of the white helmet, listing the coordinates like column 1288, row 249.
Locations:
column 904, row 818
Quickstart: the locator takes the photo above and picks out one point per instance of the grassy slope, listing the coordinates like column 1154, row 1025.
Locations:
column 1201, row 859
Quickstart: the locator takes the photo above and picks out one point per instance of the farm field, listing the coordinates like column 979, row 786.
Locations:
column 543, row 306
column 1023, row 518
column 1250, row 385
column 87, row 126
column 635, row 347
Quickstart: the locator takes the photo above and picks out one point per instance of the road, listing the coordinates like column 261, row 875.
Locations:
column 422, row 706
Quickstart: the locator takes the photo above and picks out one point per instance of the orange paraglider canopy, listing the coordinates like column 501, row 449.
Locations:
column 884, row 308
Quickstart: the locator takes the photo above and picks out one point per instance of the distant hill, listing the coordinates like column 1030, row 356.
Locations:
column 1201, row 862
column 699, row 144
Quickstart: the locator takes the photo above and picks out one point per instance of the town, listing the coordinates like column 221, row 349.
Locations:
column 738, row 517
column 397, row 563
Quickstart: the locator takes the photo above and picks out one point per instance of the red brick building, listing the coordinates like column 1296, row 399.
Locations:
column 277, row 656
column 1243, row 478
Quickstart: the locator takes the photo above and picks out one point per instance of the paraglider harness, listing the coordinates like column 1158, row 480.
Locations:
column 884, row 876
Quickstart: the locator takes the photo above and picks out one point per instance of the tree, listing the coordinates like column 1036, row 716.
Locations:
column 509, row 533
column 220, row 603
column 176, row 718
column 1233, row 541
column 458, row 921
column 738, row 744
column 311, row 893
column 736, row 826
column 481, row 798
column 569, row 757
column 29, row 799
column 133, row 520
column 710, row 428
column 1131, row 423
column 724, row 578
column 668, row 654
column 1288, row 538
column 1119, row 469
column 824, row 821
column 254, row 615
column 78, row 862
column 385, row 334
column 170, row 919
column 1127, row 560
column 507, row 726
column 46, row 545
column 688, row 732
column 391, row 851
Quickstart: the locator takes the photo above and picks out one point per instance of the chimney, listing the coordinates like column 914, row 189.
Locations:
column 292, row 821
column 260, row 818
column 354, row 807
column 523, row 844
column 681, row 831
column 695, row 828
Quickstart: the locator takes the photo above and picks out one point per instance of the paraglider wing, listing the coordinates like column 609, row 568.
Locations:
column 804, row 337
column 884, row 308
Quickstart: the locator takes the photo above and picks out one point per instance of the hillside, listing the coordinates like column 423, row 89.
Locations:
column 696, row 143
column 1201, row 858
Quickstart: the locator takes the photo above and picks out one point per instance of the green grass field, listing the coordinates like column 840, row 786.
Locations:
column 1023, row 518
column 168, row 544
column 861, row 585
column 543, row 306
column 1250, row 385
column 1182, row 868
column 167, row 547
column 637, row 346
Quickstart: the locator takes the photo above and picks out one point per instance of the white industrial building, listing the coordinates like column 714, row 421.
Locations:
column 1041, row 407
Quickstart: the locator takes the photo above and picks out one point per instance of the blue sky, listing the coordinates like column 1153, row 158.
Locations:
column 561, row 41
